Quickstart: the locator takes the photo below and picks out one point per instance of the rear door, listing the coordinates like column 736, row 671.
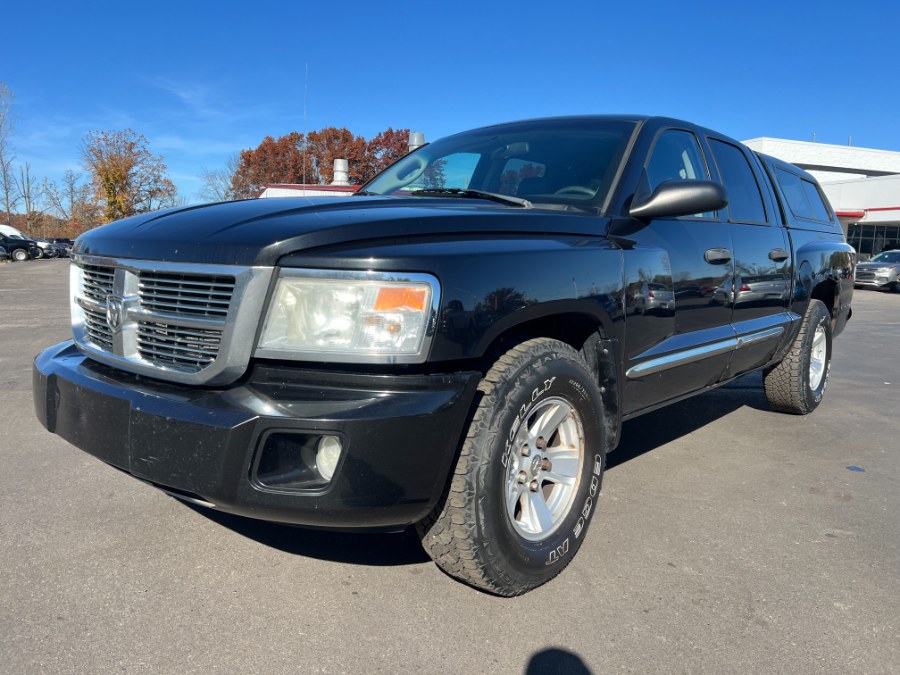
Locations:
column 761, row 289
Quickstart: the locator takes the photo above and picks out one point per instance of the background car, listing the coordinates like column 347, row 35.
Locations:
column 652, row 297
column 763, row 289
column 881, row 271
column 47, row 249
column 65, row 244
column 19, row 249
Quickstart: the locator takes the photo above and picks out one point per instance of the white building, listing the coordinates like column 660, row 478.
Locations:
column 340, row 186
column 298, row 190
column 862, row 184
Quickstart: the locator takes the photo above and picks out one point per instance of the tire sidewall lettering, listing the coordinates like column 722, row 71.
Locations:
column 816, row 395
column 564, row 542
column 536, row 395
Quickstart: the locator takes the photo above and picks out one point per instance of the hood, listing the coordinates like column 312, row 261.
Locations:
column 260, row 231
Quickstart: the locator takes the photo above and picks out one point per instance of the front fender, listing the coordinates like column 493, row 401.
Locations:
column 496, row 283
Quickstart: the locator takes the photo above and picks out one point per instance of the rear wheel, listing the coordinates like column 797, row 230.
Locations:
column 797, row 384
column 528, row 476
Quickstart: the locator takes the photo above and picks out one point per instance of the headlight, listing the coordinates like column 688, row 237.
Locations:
column 350, row 316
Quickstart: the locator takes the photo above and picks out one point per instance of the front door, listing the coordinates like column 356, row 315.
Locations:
column 681, row 339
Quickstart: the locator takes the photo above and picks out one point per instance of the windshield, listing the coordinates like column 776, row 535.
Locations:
column 887, row 257
column 569, row 162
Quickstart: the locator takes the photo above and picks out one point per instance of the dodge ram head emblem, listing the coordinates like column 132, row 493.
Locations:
column 115, row 312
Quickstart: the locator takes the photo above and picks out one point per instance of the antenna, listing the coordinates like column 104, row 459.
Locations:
column 305, row 96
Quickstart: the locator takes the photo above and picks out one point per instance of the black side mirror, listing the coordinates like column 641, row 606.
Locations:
column 673, row 198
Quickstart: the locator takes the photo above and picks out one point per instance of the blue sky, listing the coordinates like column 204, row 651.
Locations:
column 203, row 80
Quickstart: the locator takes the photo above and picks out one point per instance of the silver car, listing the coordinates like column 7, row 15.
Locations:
column 882, row 271
column 653, row 297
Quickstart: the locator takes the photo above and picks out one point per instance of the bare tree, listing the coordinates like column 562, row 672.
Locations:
column 28, row 188
column 7, row 175
column 217, row 182
column 72, row 200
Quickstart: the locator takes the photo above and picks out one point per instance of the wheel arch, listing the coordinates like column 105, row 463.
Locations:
column 589, row 333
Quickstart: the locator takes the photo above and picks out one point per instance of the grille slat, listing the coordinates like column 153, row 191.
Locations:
column 173, row 346
column 184, row 307
column 188, row 332
column 97, row 328
column 187, row 294
column 98, row 282
column 183, row 280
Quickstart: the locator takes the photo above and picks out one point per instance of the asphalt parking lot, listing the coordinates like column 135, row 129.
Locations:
column 729, row 539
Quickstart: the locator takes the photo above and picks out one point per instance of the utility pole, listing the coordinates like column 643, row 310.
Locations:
column 305, row 95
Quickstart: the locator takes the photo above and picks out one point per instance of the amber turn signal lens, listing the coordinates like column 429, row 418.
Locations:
column 394, row 299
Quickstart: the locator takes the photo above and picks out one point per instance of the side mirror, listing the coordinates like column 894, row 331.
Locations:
column 674, row 198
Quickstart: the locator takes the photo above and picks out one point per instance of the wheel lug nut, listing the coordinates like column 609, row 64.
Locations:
column 533, row 486
column 545, row 464
column 541, row 443
column 525, row 450
column 522, row 477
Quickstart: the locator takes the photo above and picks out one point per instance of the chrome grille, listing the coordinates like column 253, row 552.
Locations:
column 184, row 322
column 174, row 346
column 186, row 294
column 97, row 328
column 98, row 282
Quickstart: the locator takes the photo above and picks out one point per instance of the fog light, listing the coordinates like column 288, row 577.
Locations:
column 327, row 455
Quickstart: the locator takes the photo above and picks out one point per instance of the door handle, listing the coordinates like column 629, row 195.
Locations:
column 717, row 256
column 778, row 255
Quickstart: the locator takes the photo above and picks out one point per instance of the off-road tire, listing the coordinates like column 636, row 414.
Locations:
column 470, row 534
column 788, row 386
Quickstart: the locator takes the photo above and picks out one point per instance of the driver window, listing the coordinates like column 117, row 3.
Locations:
column 676, row 156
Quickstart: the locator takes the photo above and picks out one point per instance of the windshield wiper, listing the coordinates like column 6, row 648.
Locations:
column 474, row 194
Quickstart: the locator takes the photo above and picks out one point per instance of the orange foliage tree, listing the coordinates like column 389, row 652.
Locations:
column 295, row 158
column 127, row 178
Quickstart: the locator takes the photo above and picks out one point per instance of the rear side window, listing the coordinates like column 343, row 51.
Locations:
column 815, row 201
column 745, row 204
column 802, row 196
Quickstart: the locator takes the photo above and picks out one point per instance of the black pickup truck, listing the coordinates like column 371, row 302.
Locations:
column 457, row 345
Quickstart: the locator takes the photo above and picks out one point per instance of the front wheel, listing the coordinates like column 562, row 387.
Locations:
column 797, row 384
column 528, row 476
column 20, row 254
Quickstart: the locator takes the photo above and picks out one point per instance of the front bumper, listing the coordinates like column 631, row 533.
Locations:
column 399, row 433
column 877, row 282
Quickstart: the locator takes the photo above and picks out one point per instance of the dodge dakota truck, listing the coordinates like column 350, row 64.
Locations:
column 456, row 346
